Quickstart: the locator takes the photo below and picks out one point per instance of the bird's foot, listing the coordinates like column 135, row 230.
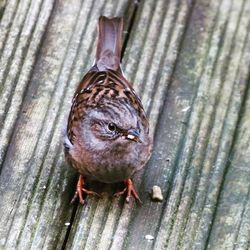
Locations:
column 130, row 190
column 80, row 191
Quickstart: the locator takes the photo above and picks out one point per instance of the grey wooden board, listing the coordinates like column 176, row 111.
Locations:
column 189, row 61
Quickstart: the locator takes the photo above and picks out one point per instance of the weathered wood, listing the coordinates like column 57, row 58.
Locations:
column 190, row 62
column 231, row 227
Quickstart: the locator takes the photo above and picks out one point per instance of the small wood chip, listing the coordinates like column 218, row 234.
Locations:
column 156, row 194
column 149, row 237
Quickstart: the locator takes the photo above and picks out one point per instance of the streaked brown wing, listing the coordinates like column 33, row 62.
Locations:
column 95, row 86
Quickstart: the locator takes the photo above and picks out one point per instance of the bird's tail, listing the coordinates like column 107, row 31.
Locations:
column 109, row 43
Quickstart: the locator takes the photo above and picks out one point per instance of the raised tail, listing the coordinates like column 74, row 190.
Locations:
column 109, row 43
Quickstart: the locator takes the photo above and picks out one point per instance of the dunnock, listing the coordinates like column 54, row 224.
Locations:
column 107, row 135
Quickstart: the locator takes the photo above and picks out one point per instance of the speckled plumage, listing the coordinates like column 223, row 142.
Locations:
column 108, row 132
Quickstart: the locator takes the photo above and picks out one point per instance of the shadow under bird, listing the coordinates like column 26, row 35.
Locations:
column 107, row 137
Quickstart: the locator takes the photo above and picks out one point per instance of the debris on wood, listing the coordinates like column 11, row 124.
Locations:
column 149, row 237
column 156, row 193
column 186, row 109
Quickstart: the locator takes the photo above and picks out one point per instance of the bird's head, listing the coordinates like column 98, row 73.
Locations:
column 111, row 125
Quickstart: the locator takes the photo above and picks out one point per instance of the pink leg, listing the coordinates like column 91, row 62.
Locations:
column 130, row 190
column 80, row 190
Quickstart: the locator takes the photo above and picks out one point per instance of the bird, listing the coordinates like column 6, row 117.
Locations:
column 107, row 135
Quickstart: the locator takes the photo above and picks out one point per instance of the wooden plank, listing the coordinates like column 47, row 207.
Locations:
column 33, row 170
column 202, row 160
column 231, row 227
column 189, row 60
column 143, row 46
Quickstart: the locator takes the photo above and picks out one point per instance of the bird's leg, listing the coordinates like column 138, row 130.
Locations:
column 80, row 190
column 130, row 190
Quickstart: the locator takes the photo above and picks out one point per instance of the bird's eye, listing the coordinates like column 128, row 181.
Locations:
column 111, row 127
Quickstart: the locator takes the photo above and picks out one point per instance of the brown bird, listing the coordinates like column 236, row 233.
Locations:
column 107, row 135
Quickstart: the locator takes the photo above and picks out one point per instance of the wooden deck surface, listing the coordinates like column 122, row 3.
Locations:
column 190, row 62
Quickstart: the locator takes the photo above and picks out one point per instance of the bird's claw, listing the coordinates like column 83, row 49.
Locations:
column 130, row 190
column 80, row 190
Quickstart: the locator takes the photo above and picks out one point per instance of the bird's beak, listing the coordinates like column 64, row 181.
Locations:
column 133, row 135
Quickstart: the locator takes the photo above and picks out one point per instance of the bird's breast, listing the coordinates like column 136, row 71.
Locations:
column 108, row 166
